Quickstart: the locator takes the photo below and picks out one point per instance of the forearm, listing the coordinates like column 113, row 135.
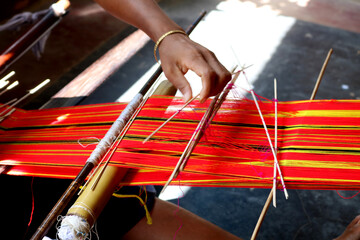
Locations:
column 177, row 52
column 143, row 14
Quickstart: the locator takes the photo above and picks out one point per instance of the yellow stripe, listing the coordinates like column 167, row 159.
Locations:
column 328, row 113
column 322, row 164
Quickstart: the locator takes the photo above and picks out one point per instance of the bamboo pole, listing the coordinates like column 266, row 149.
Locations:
column 91, row 202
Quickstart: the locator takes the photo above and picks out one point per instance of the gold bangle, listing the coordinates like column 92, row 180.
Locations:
column 162, row 38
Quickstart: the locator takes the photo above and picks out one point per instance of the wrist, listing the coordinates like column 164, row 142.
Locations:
column 167, row 35
column 160, row 31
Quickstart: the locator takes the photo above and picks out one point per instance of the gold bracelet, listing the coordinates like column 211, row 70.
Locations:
column 164, row 36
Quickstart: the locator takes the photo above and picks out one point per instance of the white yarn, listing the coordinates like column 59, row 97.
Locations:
column 86, row 145
column 84, row 207
column 115, row 130
column 58, row 8
column 73, row 228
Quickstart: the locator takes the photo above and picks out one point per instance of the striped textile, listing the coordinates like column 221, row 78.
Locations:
column 318, row 143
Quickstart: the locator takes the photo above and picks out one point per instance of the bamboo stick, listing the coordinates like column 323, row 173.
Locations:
column 321, row 74
column 267, row 203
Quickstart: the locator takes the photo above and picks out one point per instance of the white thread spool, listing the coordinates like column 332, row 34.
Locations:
column 73, row 228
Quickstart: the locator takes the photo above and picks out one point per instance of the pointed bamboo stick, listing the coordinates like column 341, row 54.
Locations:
column 321, row 74
column 267, row 203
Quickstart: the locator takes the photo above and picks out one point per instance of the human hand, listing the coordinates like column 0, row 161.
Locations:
column 179, row 54
column 352, row 231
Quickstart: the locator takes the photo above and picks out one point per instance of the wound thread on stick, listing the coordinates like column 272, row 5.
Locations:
column 73, row 228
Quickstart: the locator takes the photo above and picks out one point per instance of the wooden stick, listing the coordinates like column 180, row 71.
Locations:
column 211, row 116
column 321, row 74
column 32, row 91
column 7, row 76
column 8, row 103
column 115, row 144
column 262, row 215
column 267, row 203
column 275, row 143
column 169, row 119
column 193, row 138
column 199, row 131
column 270, row 143
column 11, row 86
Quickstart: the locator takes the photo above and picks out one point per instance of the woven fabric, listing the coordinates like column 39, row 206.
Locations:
column 318, row 143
